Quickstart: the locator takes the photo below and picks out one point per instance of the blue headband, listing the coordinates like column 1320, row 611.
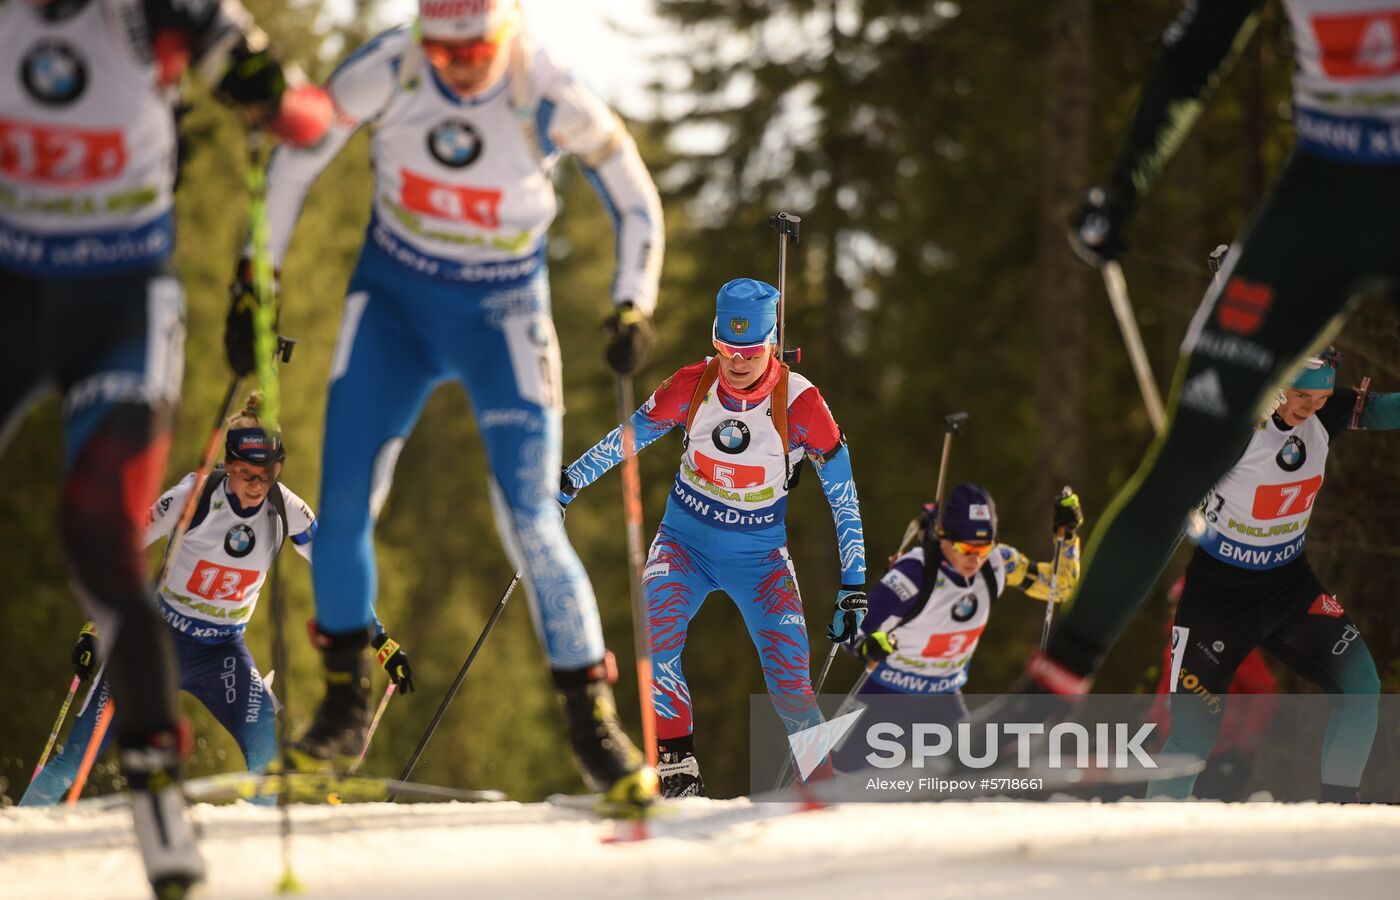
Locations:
column 1319, row 373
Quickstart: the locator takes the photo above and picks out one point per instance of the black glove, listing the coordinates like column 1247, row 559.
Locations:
column 629, row 338
column 877, row 645
column 239, row 331
column 1068, row 514
column 85, row 651
column 567, row 489
column 394, row 660
column 1096, row 230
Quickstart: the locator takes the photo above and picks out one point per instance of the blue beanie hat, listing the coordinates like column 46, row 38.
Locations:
column 746, row 313
column 968, row 514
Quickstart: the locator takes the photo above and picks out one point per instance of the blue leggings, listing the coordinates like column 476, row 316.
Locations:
column 221, row 676
column 688, row 561
column 402, row 335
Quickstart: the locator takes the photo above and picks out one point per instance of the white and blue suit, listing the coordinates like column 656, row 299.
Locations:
column 452, row 285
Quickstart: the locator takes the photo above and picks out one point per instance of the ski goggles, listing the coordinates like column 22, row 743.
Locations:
column 730, row 351
column 474, row 52
column 247, row 472
column 968, row 548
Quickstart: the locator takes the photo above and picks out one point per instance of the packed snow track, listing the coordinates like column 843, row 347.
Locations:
column 987, row 849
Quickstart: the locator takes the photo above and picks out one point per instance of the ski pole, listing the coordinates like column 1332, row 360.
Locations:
column 288, row 884
column 1117, row 288
column 57, row 726
column 632, row 511
column 1054, row 578
column 265, row 340
column 373, row 724
column 99, row 733
column 457, row 682
column 206, row 465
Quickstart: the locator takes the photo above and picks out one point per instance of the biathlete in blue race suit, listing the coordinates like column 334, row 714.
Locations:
column 206, row 599
column 470, row 120
column 748, row 423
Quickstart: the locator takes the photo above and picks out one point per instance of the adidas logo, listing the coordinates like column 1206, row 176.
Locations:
column 1204, row 394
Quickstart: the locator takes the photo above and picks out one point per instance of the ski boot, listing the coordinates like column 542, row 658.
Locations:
column 163, row 830
column 678, row 768
column 337, row 732
column 611, row 764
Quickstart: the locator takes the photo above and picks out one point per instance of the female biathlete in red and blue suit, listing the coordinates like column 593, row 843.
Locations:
column 748, row 422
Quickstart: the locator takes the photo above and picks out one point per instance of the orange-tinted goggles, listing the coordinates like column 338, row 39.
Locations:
column 443, row 54
column 729, row 352
column 970, row 549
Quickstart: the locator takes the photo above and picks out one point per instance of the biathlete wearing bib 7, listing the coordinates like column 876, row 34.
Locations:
column 724, row 527
column 452, row 285
column 1249, row 584
column 206, row 599
column 1327, row 229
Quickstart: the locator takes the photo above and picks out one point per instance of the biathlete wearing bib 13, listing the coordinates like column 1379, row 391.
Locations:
column 1249, row 583
column 452, row 285
column 725, row 522
column 208, row 597
column 933, row 614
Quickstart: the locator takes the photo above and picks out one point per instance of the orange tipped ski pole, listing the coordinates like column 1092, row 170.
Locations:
column 99, row 732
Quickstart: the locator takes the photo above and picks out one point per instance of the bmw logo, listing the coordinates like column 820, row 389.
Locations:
column 1292, row 454
column 53, row 73
column 731, row 436
column 965, row 608
column 454, row 143
column 239, row 541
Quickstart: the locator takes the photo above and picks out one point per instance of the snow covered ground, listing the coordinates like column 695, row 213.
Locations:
column 1071, row 849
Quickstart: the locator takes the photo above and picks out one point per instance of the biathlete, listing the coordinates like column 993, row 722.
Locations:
column 93, row 310
column 242, row 518
column 470, row 122
column 1249, row 583
column 928, row 612
column 1326, row 233
column 747, row 424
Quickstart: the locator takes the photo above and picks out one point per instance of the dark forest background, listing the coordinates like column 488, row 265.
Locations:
column 934, row 151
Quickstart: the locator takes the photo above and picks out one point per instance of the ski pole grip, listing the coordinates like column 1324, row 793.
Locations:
column 787, row 224
column 793, row 356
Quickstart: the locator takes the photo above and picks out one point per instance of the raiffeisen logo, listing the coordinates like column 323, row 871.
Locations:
column 1067, row 744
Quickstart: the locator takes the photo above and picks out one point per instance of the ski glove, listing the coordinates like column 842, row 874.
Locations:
column 85, row 652
column 850, row 610
column 1096, row 230
column 567, row 489
column 628, row 331
column 877, row 645
column 1068, row 514
column 394, row 660
column 240, row 333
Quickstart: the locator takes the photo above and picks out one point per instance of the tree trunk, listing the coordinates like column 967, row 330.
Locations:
column 1064, row 282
